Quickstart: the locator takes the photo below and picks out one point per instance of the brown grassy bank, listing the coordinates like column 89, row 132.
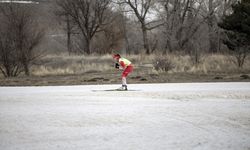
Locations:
column 72, row 70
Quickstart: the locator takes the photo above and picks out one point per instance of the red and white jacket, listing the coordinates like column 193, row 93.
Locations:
column 124, row 62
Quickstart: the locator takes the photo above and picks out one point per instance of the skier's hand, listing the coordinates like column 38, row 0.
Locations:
column 117, row 65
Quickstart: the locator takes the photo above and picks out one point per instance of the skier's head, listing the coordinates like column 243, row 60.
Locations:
column 116, row 56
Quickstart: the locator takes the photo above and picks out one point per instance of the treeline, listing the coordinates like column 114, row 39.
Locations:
column 127, row 26
column 144, row 26
column 20, row 34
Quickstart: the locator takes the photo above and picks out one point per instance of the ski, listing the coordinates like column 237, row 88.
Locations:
column 113, row 90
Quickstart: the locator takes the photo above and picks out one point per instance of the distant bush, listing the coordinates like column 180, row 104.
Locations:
column 163, row 64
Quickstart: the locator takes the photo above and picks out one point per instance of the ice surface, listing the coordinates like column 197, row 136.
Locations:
column 153, row 117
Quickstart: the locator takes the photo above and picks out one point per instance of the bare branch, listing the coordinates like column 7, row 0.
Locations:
column 89, row 15
column 155, row 26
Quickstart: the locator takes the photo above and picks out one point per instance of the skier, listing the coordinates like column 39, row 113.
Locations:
column 126, row 65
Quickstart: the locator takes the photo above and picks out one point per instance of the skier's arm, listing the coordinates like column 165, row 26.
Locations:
column 119, row 65
column 122, row 64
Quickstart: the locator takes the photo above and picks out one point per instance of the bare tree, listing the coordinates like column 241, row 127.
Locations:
column 23, row 35
column 68, row 25
column 9, row 65
column 182, row 21
column 112, row 36
column 213, row 11
column 70, row 31
column 141, row 9
column 88, row 15
column 124, row 20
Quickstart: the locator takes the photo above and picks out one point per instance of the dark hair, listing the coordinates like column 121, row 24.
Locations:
column 116, row 55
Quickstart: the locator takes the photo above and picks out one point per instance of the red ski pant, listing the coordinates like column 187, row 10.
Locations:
column 128, row 70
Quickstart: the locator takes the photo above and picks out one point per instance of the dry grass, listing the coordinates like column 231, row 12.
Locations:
column 64, row 64
column 209, row 64
column 78, row 70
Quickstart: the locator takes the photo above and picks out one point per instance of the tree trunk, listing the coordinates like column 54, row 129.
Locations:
column 145, row 40
column 3, row 72
column 26, row 66
column 212, row 43
column 127, row 45
column 87, row 46
column 27, row 71
column 69, row 36
column 168, row 47
column 124, row 27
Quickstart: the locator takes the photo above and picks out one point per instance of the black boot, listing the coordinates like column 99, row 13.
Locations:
column 125, row 87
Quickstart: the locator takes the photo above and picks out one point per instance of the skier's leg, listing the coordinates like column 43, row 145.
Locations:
column 128, row 70
column 124, row 83
column 124, row 75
